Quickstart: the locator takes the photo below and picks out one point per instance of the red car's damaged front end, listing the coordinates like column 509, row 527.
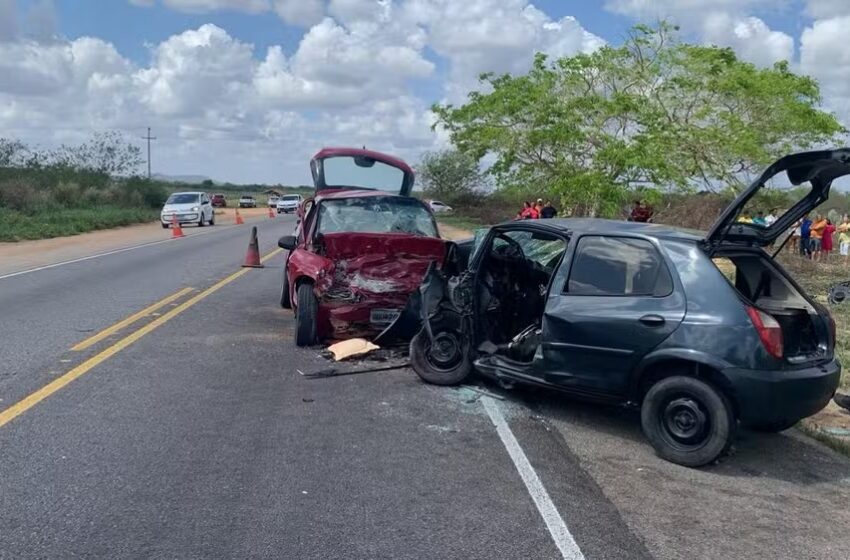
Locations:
column 362, row 247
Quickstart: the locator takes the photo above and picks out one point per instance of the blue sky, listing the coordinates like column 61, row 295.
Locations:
column 246, row 90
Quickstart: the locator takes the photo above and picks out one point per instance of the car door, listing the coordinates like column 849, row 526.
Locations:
column 614, row 299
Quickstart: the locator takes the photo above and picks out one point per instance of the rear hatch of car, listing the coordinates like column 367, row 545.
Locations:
column 792, row 326
column 351, row 168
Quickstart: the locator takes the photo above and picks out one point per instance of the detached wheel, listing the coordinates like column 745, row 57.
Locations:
column 284, row 292
column 687, row 421
column 306, row 316
column 443, row 362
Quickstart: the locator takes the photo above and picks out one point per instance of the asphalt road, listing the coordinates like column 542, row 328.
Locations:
column 193, row 433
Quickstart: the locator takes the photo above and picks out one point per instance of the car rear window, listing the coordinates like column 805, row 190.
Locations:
column 182, row 198
column 618, row 266
column 376, row 215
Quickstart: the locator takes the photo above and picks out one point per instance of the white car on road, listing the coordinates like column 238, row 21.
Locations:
column 189, row 207
column 438, row 207
column 289, row 203
column 273, row 201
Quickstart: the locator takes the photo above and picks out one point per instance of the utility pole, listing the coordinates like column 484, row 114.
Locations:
column 149, row 138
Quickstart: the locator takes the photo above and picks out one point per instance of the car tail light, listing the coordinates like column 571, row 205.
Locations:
column 769, row 331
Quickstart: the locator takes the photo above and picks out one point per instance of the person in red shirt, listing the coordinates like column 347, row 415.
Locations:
column 640, row 213
column 528, row 212
column 826, row 240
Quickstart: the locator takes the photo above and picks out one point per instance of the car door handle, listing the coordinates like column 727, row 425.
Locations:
column 652, row 320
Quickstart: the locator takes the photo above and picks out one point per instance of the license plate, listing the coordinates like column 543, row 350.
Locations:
column 384, row 316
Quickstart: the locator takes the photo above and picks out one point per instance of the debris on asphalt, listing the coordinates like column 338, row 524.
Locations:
column 333, row 372
column 483, row 392
column 350, row 348
column 307, row 400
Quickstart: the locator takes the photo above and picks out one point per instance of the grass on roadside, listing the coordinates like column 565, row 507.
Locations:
column 841, row 445
column 18, row 226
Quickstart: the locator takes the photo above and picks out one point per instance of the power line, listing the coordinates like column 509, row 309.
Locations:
column 149, row 138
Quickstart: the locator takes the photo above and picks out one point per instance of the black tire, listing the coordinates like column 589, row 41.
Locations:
column 306, row 315
column 201, row 220
column 687, row 421
column 165, row 226
column 450, row 366
column 212, row 218
column 284, row 292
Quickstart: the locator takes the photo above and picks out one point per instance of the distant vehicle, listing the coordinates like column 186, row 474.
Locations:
column 438, row 207
column 701, row 332
column 247, row 201
column 189, row 207
column 272, row 201
column 361, row 248
column 289, row 203
column 218, row 201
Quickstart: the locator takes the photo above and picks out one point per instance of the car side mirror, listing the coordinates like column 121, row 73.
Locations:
column 286, row 242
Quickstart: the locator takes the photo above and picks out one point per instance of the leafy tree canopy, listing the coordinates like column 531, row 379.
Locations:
column 449, row 175
column 653, row 112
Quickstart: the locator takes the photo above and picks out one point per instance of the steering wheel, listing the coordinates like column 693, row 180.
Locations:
column 513, row 251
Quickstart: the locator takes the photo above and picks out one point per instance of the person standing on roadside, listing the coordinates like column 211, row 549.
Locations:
column 826, row 242
column 844, row 238
column 539, row 207
column 816, row 233
column 770, row 218
column 640, row 213
column 548, row 210
column 806, row 236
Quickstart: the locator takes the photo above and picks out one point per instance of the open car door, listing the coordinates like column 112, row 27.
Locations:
column 816, row 169
column 351, row 168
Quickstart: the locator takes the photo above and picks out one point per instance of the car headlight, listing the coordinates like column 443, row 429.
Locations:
column 195, row 208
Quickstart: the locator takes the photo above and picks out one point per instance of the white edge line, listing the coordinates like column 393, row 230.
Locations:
column 113, row 252
column 545, row 506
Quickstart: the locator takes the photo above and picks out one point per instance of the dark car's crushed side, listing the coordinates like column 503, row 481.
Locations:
column 702, row 332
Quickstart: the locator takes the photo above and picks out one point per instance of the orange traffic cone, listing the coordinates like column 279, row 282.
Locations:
column 271, row 212
column 239, row 220
column 252, row 258
column 176, row 230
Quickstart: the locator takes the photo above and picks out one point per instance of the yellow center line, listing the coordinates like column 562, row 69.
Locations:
column 109, row 331
column 30, row 401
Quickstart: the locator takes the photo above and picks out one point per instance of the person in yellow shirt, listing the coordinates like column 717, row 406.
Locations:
column 844, row 238
column 817, row 235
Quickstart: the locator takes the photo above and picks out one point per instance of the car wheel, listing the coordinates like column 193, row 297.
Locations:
column 687, row 421
column 201, row 220
column 306, row 316
column 446, row 361
column 212, row 218
column 284, row 292
column 165, row 226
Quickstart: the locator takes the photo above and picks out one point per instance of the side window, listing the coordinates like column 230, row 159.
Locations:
column 618, row 266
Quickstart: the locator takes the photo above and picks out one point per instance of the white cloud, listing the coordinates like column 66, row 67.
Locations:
column 727, row 23
column 750, row 37
column 8, row 20
column 827, row 8
column 823, row 55
column 300, row 12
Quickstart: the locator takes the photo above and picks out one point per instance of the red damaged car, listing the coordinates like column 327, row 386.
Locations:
column 361, row 248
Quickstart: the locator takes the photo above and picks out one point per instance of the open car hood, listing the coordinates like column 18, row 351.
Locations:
column 352, row 168
column 819, row 169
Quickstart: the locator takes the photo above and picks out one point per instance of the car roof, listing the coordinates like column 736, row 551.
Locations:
column 612, row 227
column 187, row 192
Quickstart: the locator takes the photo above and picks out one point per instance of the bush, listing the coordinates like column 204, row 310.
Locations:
column 22, row 195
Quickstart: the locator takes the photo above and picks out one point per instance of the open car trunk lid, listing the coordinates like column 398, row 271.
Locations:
column 819, row 169
column 381, row 263
column 351, row 168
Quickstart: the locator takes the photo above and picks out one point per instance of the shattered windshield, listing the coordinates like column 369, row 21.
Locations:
column 376, row 215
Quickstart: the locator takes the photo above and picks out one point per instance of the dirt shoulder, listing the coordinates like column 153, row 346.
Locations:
column 25, row 255
column 453, row 233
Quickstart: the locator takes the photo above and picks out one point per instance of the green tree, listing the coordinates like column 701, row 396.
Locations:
column 106, row 153
column 654, row 112
column 449, row 175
